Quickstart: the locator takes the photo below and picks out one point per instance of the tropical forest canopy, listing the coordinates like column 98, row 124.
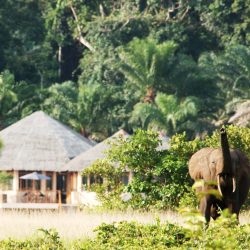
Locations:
column 97, row 66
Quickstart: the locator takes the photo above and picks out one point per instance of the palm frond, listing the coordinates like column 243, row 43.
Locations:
column 145, row 114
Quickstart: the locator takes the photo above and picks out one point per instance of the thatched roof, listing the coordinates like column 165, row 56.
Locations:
column 86, row 158
column 38, row 142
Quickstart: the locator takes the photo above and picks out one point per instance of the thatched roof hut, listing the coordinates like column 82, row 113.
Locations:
column 86, row 158
column 39, row 142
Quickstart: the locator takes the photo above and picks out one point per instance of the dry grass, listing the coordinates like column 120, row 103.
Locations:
column 245, row 217
column 70, row 225
column 74, row 225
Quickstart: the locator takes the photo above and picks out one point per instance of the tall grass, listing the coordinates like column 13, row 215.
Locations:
column 74, row 225
column 71, row 225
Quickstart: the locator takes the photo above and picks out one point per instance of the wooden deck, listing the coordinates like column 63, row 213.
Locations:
column 38, row 206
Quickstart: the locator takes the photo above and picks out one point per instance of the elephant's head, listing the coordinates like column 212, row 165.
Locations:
column 230, row 169
column 225, row 171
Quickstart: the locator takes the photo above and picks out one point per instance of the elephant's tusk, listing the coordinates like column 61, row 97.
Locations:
column 234, row 184
column 218, row 184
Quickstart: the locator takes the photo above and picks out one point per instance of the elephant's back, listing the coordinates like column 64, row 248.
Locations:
column 199, row 163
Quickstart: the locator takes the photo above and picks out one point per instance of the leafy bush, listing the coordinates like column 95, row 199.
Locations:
column 5, row 180
column 133, row 235
column 48, row 240
column 189, row 199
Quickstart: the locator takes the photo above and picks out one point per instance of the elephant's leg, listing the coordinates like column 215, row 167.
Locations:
column 232, row 203
column 244, row 185
column 240, row 194
column 233, row 207
column 205, row 208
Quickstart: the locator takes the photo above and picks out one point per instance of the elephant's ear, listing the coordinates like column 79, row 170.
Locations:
column 199, row 164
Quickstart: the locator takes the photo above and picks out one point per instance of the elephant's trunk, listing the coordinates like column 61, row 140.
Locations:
column 226, row 176
column 227, row 161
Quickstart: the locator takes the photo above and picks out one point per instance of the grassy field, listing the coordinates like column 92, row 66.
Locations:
column 71, row 225
column 75, row 225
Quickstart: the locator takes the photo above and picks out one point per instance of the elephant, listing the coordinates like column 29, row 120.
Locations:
column 225, row 170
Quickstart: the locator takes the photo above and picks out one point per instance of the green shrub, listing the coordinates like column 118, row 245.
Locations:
column 133, row 235
column 189, row 199
column 47, row 240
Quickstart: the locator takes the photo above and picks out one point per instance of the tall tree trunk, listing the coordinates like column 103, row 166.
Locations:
column 150, row 95
column 80, row 36
column 60, row 62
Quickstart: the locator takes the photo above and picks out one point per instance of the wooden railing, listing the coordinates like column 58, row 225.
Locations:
column 29, row 196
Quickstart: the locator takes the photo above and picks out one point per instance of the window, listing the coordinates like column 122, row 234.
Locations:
column 99, row 180
column 24, row 184
column 28, row 184
column 92, row 179
column 49, row 185
column 96, row 179
column 84, row 180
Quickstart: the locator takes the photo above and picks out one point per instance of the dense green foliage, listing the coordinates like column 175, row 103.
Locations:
column 102, row 65
column 160, row 176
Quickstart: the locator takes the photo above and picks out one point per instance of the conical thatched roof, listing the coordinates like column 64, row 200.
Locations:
column 38, row 142
column 86, row 158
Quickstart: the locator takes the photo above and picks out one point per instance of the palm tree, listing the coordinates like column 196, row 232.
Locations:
column 144, row 64
column 168, row 113
column 177, row 111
